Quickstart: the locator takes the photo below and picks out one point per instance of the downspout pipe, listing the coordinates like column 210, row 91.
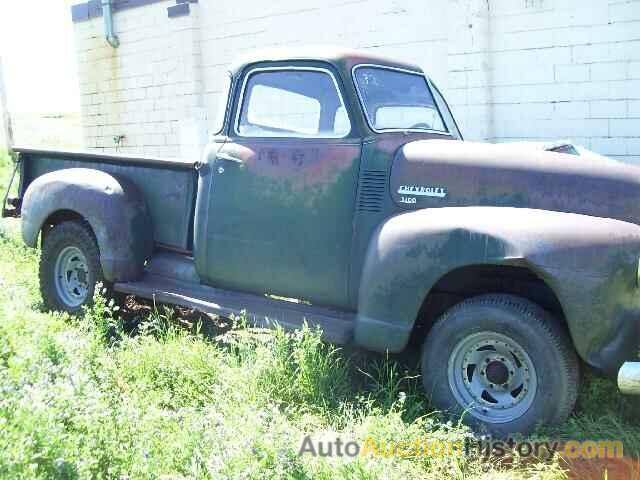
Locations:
column 109, row 30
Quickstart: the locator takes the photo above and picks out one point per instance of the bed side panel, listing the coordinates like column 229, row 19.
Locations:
column 168, row 190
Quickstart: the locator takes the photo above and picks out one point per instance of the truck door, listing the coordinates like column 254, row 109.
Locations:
column 283, row 189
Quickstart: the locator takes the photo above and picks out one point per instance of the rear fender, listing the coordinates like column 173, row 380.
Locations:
column 113, row 206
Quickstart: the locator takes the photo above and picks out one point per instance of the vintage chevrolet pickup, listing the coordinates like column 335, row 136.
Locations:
column 340, row 179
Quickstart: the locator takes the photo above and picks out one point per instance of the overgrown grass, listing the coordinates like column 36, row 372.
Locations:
column 142, row 396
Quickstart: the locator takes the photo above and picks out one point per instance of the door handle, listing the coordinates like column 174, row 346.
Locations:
column 229, row 158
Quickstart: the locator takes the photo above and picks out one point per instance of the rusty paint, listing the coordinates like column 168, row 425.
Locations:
column 323, row 220
column 285, row 199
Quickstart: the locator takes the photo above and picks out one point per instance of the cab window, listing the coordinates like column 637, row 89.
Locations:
column 292, row 103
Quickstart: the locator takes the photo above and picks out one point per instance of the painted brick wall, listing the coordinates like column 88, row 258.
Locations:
column 149, row 90
column 567, row 69
column 511, row 69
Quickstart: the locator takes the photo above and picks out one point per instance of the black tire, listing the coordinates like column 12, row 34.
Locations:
column 76, row 234
column 546, row 347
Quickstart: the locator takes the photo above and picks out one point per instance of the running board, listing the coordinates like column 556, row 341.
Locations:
column 262, row 311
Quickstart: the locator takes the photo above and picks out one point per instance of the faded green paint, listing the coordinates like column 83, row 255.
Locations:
column 322, row 220
column 281, row 221
column 377, row 156
column 169, row 191
column 589, row 263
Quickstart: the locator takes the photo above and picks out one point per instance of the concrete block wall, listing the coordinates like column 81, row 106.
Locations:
column 147, row 92
column 567, row 69
column 510, row 69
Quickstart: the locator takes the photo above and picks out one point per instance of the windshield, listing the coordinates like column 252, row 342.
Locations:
column 397, row 100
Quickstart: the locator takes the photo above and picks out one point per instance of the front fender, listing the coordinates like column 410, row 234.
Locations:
column 590, row 263
column 113, row 206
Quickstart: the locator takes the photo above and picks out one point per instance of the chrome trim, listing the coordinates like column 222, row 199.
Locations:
column 404, row 70
column 239, row 105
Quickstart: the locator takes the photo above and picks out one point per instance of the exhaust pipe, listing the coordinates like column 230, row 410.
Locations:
column 629, row 378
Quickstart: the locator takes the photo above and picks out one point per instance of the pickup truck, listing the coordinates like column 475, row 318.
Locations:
column 337, row 190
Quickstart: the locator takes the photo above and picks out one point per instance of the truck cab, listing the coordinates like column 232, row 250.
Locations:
column 337, row 191
column 296, row 177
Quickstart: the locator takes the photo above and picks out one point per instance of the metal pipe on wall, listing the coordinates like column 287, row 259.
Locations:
column 109, row 29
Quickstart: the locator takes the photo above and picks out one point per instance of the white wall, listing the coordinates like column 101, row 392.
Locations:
column 511, row 69
column 149, row 89
column 567, row 69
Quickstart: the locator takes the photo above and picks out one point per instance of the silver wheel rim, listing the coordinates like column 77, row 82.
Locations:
column 492, row 377
column 71, row 276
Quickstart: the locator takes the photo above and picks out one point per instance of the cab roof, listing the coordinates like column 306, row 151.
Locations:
column 341, row 58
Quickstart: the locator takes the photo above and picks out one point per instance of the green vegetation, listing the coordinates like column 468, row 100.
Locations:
column 151, row 392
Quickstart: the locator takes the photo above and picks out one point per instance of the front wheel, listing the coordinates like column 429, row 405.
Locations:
column 502, row 363
column 69, row 267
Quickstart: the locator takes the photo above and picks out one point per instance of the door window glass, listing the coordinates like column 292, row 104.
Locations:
column 292, row 103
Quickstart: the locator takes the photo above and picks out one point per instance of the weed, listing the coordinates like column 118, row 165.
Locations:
column 102, row 315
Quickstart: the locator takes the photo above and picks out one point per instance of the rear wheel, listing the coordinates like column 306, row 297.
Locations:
column 69, row 267
column 503, row 363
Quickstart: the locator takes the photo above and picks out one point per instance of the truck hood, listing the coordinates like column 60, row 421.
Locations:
column 445, row 173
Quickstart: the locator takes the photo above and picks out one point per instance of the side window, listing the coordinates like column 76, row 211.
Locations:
column 292, row 103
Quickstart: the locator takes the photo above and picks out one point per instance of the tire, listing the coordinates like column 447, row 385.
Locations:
column 69, row 267
column 502, row 363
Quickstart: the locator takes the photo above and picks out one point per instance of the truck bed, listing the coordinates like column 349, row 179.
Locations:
column 169, row 185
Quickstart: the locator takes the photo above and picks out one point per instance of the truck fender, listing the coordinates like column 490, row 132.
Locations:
column 112, row 205
column 590, row 264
